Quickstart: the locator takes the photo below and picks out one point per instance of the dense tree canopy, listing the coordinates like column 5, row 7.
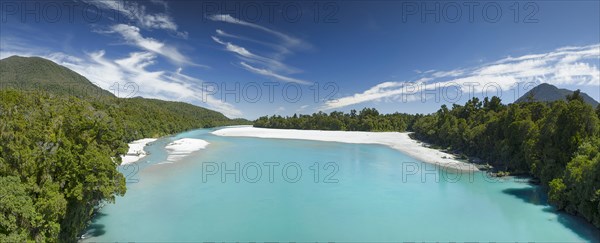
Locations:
column 144, row 118
column 367, row 119
column 59, row 156
column 557, row 142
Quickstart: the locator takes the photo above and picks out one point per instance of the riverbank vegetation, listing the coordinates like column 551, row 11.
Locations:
column 556, row 142
column 59, row 156
column 368, row 119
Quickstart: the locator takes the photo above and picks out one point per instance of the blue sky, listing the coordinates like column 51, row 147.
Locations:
column 394, row 56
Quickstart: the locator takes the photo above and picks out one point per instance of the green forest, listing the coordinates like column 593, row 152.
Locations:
column 556, row 142
column 61, row 138
column 368, row 119
column 59, row 156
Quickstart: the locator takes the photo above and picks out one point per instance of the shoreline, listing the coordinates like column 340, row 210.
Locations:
column 181, row 148
column 396, row 140
column 136, row 150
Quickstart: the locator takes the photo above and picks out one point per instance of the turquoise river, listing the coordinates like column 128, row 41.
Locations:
column 253, row 189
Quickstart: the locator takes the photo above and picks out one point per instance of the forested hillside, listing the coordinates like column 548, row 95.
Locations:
column 60, row 146
column 144, row 118
column 35, row 73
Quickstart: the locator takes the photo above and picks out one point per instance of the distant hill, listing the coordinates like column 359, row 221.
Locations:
column 142, row 117
column 548, row 93
column 36, row 73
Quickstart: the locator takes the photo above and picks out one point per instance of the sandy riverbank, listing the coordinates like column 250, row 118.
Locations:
column 395, row 140
column 136, row 151
column 183, row 147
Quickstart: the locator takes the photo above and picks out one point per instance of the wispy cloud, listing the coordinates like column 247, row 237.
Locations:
column 251, row 57
column 267, row 65
column 289, row 40
column 378, row 91
column 270, row 73
column 281, row 50
column 138, row 13
column 132, row 35
column 563, row 66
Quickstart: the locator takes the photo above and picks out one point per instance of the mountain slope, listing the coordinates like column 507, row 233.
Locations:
column 548, row 93
column 142, row 117
column 154, row 118
column 35, row 73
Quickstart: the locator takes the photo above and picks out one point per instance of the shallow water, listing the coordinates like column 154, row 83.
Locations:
column 346, row 192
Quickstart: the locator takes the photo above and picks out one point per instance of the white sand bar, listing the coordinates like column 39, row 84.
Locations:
column 183, row 147
column 396, row 140
column 136, row 151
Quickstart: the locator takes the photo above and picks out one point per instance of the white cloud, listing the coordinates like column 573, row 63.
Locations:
column 568, row 65
column 233, row 48
column 267, row 65
column 290, row 41
column 376, row 92
column 137, row 12
column 270, row 73
column 281, row 49
column 132, row 35
column 251, row 57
